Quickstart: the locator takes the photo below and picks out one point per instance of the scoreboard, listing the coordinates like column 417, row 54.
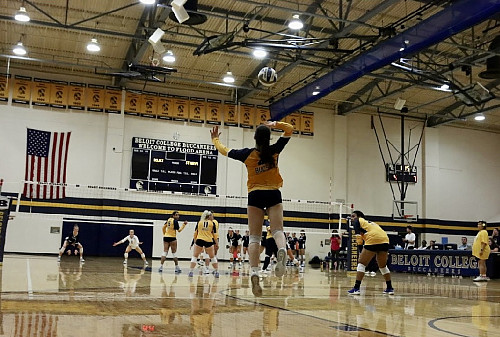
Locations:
column 162, row 165
column 407, row 174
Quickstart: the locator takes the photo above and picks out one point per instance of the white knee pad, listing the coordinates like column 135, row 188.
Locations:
column 173, row 255
column 164, row 254
column 194, row 259
column 278, row 232
column 254, row 239
column 384, row 270
column 125, row 255
column 213, row 260
column 143, row 255
column 361, row 268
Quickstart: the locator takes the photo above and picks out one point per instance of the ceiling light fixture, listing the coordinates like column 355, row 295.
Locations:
column 19, row 49
column 228, row 78
column 295, row 23
column 169, row 57
column 259, row 53
column 93, row 46
column 21, row 15
column 479, row 117
column 148, row 2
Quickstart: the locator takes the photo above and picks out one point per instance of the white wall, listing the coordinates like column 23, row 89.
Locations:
column 458, row 169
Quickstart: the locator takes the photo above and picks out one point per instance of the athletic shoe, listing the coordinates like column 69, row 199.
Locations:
column 124, row 261
column 240, row 265
column 146, row 263
column 389, row 291
column 190, row 274
column 301, row 269
column 160, row 270
column 206, row 271
column 481, row 279
column 373, row 273
column 178, row 270
column 256, row 288
column 354, row 291
column 82, row 260
column 280, row 268
column 58, row 259
column 216, row 274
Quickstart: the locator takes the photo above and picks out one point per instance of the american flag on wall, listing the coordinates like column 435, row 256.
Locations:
column 46, row 156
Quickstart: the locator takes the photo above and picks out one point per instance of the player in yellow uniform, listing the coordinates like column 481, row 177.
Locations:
column 205, row 236
column 481, row 250
column 204, row 255
column 376, row 244
column 170, row 229
column 264, row 182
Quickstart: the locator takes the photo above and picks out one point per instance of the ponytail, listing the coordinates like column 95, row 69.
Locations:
column 262, row 138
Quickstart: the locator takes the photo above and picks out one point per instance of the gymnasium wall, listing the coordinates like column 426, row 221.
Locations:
column 458, row 171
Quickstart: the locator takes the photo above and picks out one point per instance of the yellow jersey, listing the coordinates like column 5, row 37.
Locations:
column 371, row 232
column 260, row 175
column 481, row 237
column 206, row 231
column 171, row 227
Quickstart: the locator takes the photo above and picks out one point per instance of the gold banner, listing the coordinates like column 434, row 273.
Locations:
column 214, row 112
column 59, row 95
column 165, row 107
column 197, row 110
column 76, row 96
column 4, row 88
column 133, row 102
column 40, row 92
column 95, row 97
column 247, row 112
column 21, row 93
column 294, row 120
column 307, row 123
column 113, row 100
column 149, row 104
column 230, row 114
column 263, row 115
column 181, row 109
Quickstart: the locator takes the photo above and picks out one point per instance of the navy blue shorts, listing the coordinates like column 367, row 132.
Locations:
column 203, row 243
column 264, row 199
column 381, row 247
column 168, row 239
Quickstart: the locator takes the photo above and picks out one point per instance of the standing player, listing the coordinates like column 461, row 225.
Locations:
column 204, row 237
column 302, row 247
column 271, row 249
column 376, row 244
column 72, row 243
column 264, row 182
column 481, row 250
column 239, row 239
column 245, row 240
column 133, row 243
column 170, row 229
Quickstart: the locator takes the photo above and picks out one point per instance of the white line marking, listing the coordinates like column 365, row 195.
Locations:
column 28, row 275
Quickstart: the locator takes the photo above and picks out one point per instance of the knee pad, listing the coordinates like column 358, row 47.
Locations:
column 278, row 232
column 194, row 259
column 384, row 270
column 143, row 255
column 125, row 255
column 213, row 260
column 164, row 254
column 254, row 239
column 173, row 255
column 361, row 268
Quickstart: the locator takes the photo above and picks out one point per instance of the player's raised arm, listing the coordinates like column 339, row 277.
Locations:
column 214, row 133
column 183, row 226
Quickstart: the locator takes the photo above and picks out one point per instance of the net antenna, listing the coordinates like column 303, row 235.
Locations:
column 400, row 166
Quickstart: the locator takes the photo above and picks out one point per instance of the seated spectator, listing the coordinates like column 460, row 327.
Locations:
column 423, row 246
column 495, row 236
column 431, row 245
column 464, row 245
column 493, row 246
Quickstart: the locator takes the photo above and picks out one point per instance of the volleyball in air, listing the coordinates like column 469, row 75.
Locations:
column 267, row 76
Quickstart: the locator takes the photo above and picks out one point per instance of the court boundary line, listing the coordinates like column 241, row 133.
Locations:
column 433, row 326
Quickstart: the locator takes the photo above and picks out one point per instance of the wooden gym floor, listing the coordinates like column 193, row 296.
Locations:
column 102, row 298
